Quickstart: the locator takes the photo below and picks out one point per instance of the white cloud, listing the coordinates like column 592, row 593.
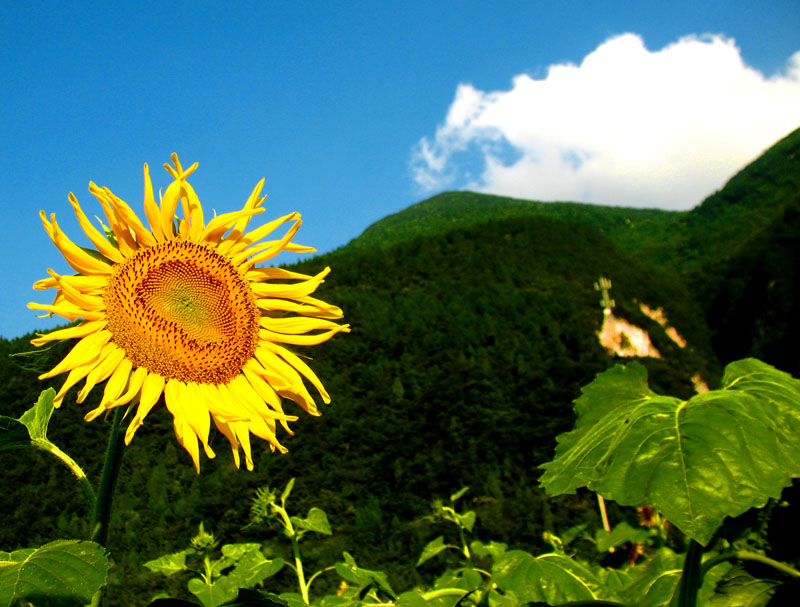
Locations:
column 625, row 127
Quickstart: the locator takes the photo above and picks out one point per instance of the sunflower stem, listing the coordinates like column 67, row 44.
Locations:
column 74, row 467
column 108, row 481
column 692, row 577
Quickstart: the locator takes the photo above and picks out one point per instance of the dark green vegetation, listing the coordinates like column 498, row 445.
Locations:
column 474, row 326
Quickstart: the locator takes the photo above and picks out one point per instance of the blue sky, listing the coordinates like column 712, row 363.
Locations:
column 351, row 110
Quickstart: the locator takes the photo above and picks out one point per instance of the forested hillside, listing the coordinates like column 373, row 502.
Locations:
column 474, row 325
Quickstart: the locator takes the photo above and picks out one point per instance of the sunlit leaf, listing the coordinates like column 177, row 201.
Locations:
column 656, row 582
column 466, row 519
column 216, row 593
column 64, row 573
column 354, row 574
column 411, row 598
column 740, row 589
column 253, row 568
column 458, row 494
column 493, row 549
column 316, row 520
column 286, row 491
column 169, row 564
column 697, row 461
column 237, row 551
column 552, row 578
column 38, row 417
column 292, row 599
column 619, row 535
column 431, row 549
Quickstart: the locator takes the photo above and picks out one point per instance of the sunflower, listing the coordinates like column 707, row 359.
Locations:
column 181, row 308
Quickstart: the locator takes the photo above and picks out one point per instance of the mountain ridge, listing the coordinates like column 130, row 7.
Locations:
column 678, row 239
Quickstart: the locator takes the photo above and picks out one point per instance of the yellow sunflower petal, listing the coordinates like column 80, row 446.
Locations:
column 303, row 340
column 225, row 428
column 266, row 251
column 151, row 210
column 76, row 257
column 169, row 202
column 127, row 245
column 98, row 240
column 84, row 352
column 152, row 387
column 114, row 387
column 217, row 227
column 68, row 311
column 306, row 306
column 296, row 362
column 110, row 357
column 75, row 375
column 192, row 212
column 176, row 397
column 82, row 330
column 135, row 381
column 126, row 217
column 290, row 291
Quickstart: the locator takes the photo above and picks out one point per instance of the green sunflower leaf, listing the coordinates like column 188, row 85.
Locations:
column 619, row 535
column 493, row 549
column 718, row 454
column 169, row 564
column 354, row 574
column 466, row 520
column 316, row 520
column 253, row 568
column 740, row 589
column 552, row 578
column 216, row 593
column 37, row 418
column 431, row 549
column 64, row 573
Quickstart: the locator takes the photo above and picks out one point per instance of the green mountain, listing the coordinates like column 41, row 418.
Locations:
column 474, row 325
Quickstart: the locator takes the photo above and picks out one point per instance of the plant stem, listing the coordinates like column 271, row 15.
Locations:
column 298, row 562
column 108, row 481
column 316, row 575
column 88, row 490
column 692, row 577
column 301, row 580
column 744, row 555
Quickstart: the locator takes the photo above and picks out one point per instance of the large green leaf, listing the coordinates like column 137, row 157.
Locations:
column 216, row 593
column 553, row 578
column 740, row 589
column 64, row 573
column 697, row 461
column 253, row 568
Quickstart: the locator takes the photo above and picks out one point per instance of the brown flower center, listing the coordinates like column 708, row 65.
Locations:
column 183, row 311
